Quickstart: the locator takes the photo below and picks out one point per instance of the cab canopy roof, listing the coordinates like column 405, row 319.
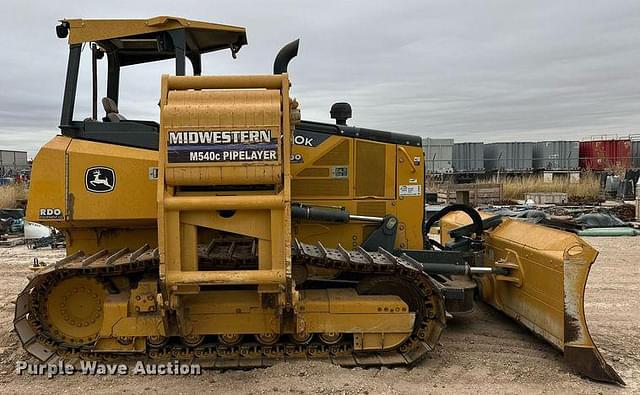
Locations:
column 147, row 40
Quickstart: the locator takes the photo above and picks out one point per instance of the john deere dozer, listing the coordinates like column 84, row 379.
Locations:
column 236, row 235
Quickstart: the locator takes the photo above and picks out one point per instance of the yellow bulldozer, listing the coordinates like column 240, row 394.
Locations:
column 237, row 235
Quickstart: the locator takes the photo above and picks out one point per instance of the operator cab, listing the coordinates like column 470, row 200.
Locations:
column 129, row 42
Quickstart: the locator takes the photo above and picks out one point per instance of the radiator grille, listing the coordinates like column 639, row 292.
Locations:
column 337, row 156
column 370, row 169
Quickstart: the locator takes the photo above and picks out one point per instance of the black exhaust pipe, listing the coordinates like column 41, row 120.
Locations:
column 285, row 55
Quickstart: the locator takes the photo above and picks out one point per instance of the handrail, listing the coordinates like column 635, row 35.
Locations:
column 226, row 82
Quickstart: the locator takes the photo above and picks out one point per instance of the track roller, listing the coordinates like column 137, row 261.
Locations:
column 302, row 338
column 230, row 339
column 157, row 341
column 192, row 340
column 330, row 338
column 268, row 339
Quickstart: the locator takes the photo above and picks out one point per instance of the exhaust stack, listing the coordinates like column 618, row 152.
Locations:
column 284, row 56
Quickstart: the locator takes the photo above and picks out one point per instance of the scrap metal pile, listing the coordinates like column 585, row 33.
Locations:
column 14, row 230
column 584, row 220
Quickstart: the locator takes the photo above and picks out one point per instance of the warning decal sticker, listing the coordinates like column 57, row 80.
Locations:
column 410, row 190
column 222, row 146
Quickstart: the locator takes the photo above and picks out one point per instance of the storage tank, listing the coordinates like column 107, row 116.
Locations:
column 468, row 157
column 12, row 162
column 605, row 154
column 13, row 158
column 438, row 155
column 612, row 185
column 513, row 156
column 7, row 158
column 556, row 155
column 20, row 158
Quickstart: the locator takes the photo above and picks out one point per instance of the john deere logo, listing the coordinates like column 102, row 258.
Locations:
column 100, row 179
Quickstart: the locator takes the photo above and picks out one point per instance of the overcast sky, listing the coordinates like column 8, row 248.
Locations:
column 470, row 70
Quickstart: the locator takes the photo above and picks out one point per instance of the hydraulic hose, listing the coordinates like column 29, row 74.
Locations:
column 473, row 214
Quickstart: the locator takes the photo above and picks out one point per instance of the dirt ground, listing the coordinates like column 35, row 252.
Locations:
column 484, row 352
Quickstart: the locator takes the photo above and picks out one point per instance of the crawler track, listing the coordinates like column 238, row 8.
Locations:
column 379, row 273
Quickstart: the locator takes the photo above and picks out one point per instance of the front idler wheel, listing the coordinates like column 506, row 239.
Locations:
column 73, row 310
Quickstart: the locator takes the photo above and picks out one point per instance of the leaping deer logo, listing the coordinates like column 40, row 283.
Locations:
column 99, row 181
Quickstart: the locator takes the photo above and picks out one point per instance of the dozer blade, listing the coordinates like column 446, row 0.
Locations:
column 544, row 290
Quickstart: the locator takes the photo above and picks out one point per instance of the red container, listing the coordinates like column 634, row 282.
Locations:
column 605, row 154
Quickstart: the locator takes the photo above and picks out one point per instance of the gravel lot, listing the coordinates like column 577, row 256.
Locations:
column 482, row 352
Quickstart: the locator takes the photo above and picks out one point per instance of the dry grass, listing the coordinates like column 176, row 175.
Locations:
column 10, row 195
column 588, row 187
